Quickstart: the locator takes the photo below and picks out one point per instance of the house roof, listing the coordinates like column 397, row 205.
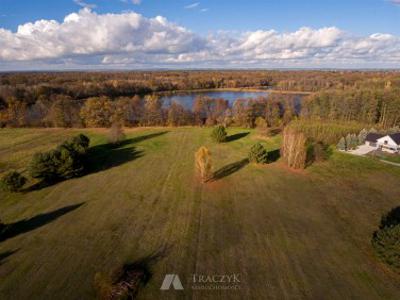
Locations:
column 395, row 137
column 372, row 137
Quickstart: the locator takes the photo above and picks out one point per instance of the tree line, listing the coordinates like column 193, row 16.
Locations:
column 150, row 110
column 368, row 105
column 68, row 99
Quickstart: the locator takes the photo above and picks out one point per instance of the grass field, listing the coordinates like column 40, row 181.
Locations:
column 289, row 235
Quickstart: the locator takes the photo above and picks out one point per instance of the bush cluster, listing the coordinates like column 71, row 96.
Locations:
column 385, row 241
column 66, row 161
column 12, row 181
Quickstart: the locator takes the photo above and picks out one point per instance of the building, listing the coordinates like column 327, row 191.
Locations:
column 388, row 143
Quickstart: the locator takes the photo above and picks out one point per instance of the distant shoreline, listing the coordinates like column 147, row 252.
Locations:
column 241, row 89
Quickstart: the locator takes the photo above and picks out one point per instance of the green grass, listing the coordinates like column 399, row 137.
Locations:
column 392, row 158
column 293, row 235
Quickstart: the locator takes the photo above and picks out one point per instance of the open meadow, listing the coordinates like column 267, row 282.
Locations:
column 288, row 234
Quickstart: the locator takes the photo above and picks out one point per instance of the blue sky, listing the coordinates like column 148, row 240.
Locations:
column 355, row 19
column 358, row 16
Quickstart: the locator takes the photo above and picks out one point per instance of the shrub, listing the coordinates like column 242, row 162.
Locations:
column 203, row 163
column 258, row 154
column 219, row 134
column 116, row 134
column 387, row 247
column 385, row 241
column 318, row 152
column 65, row 162
column 124, row 283
column 12, row 181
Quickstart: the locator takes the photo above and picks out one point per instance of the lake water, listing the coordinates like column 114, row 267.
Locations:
column 187, row 99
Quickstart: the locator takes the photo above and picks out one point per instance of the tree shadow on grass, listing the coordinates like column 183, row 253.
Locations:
column 236, row 136
column 103, row 157
column 106, row 156
column 229, row 169
column 274, row 155
column 6, row 254
column 26, row 225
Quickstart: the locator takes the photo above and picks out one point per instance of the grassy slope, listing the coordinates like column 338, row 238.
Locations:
column 288, row 234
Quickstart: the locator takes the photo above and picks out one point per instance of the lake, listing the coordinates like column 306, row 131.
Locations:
column 187, row 99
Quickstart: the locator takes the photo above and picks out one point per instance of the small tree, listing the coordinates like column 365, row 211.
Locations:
column 116, row 134
column 219, row 134
column 261, row 125
column 342, row 144
column 294, row 148
column 12, row 181
column 258, row 154
column 204, row 163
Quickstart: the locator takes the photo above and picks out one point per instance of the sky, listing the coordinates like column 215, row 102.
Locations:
column 184, row 34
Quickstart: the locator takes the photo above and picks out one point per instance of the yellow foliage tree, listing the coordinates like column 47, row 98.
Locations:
column 204, row 163
column 294, row 151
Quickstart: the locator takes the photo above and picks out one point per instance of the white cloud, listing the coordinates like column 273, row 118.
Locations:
column 193, row 5
column 84, row 4
column 136, row 2
column 128, row 40
column 203, row 9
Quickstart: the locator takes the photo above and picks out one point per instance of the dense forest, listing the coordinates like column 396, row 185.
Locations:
column 99, row 99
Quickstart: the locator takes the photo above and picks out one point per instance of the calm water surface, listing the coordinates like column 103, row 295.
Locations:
column 187, row 99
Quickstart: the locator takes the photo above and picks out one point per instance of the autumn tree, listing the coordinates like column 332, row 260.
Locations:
column 177, row 116
column 204, row 163
column 15, row 113
column 116, row 134
column 97, row 112
column 153, row 114
column 294, row 148
column 63, row 112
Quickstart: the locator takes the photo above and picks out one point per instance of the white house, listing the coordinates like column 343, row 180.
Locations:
column 389, row 143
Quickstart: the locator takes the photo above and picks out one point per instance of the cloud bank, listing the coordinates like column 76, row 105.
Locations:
column 129, row 40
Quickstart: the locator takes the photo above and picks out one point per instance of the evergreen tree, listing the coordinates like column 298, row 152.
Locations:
column 12, row 181
column 354, row 141
column 348, row 142
column 66, row 161
column 219, row 134
column 258, row 154
column 342, row 144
